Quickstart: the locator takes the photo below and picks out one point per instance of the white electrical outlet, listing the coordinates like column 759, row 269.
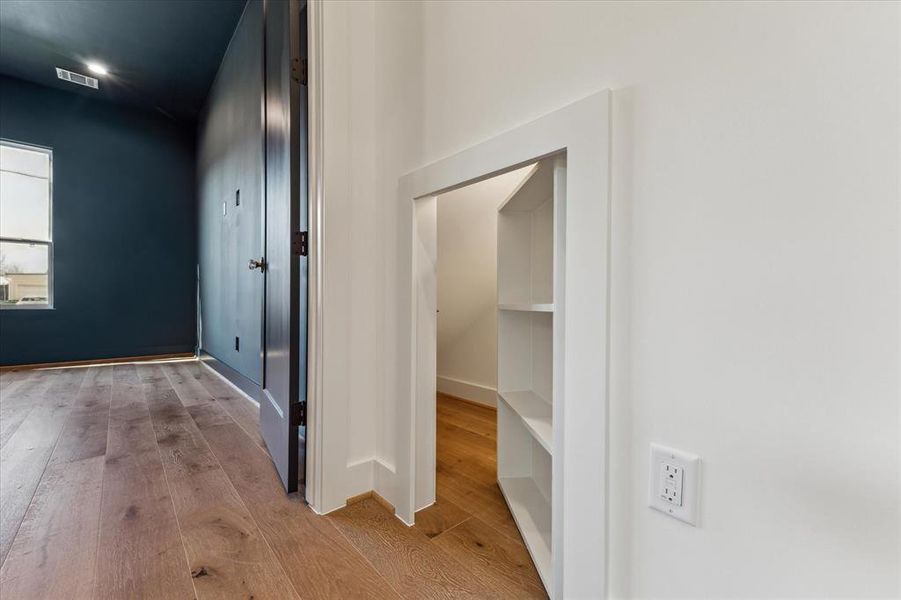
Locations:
column 673, row 483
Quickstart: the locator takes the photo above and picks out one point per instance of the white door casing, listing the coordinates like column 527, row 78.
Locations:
column 579, row 512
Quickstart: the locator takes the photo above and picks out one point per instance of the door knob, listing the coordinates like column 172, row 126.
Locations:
column 257, row 264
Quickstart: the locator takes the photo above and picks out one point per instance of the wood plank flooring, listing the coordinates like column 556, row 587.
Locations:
column 150, row 480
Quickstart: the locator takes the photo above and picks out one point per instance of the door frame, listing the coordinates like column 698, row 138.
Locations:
column 314, row 440
column 579, row 488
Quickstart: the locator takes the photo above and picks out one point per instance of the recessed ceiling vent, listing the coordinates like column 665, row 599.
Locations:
column 76, row 78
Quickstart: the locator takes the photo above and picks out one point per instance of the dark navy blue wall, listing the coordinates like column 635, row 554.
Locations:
column 230, row 157
column 124, row 228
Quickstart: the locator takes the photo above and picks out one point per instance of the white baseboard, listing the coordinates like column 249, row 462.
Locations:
column 468, row 391
column 358, row 478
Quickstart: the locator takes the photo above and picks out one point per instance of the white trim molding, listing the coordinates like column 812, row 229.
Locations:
column 579, row 464
column 468, row 390
column 314, row 448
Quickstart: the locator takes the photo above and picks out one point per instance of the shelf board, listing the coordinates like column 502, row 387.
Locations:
column 535, row 413
column 527, row 307
column 532, row 513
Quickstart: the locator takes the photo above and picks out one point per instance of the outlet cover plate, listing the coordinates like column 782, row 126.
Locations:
column 690, row 466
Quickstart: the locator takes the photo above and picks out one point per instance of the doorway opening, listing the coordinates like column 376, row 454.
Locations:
column 569, row 149
column 494, row 255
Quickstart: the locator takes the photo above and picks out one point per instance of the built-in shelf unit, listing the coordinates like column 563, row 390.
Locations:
column 528, row 286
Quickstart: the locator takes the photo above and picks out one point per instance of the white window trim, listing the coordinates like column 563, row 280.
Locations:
column 49, row 152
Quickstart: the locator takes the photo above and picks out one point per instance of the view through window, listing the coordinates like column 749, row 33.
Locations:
column 26, row 235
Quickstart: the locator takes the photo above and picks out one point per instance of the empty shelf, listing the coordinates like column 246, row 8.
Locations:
column 532, row 513
column 535, row 413
column 527, row 307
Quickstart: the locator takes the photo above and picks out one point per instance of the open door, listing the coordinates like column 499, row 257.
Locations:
column 283, row 402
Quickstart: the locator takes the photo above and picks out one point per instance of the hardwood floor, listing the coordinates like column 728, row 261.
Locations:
column 150, row 480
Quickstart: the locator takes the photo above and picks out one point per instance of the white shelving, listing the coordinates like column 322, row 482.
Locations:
column 532, row 513
column 524, row 476
column 525, row 231
column 529, row 236
column 535, row 413
column 527, row 307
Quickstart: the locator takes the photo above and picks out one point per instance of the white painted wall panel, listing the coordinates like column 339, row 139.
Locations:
column 755, row 297
column 756, row 260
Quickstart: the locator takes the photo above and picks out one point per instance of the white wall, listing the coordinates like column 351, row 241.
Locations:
column 467, row 287
column 755, row 307
column 369, row 102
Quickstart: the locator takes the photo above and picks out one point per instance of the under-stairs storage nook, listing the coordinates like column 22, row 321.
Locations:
column 529, row 280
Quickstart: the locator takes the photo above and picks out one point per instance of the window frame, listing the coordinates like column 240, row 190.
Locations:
column 49, row 244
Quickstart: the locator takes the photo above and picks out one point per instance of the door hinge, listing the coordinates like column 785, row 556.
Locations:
column 299, row 244
column 299, row 70
column 299, row 415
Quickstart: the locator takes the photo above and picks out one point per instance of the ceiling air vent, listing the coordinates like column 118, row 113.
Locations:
column 76, row 78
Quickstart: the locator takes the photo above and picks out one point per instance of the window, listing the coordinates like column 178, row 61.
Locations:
column 26, row 232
